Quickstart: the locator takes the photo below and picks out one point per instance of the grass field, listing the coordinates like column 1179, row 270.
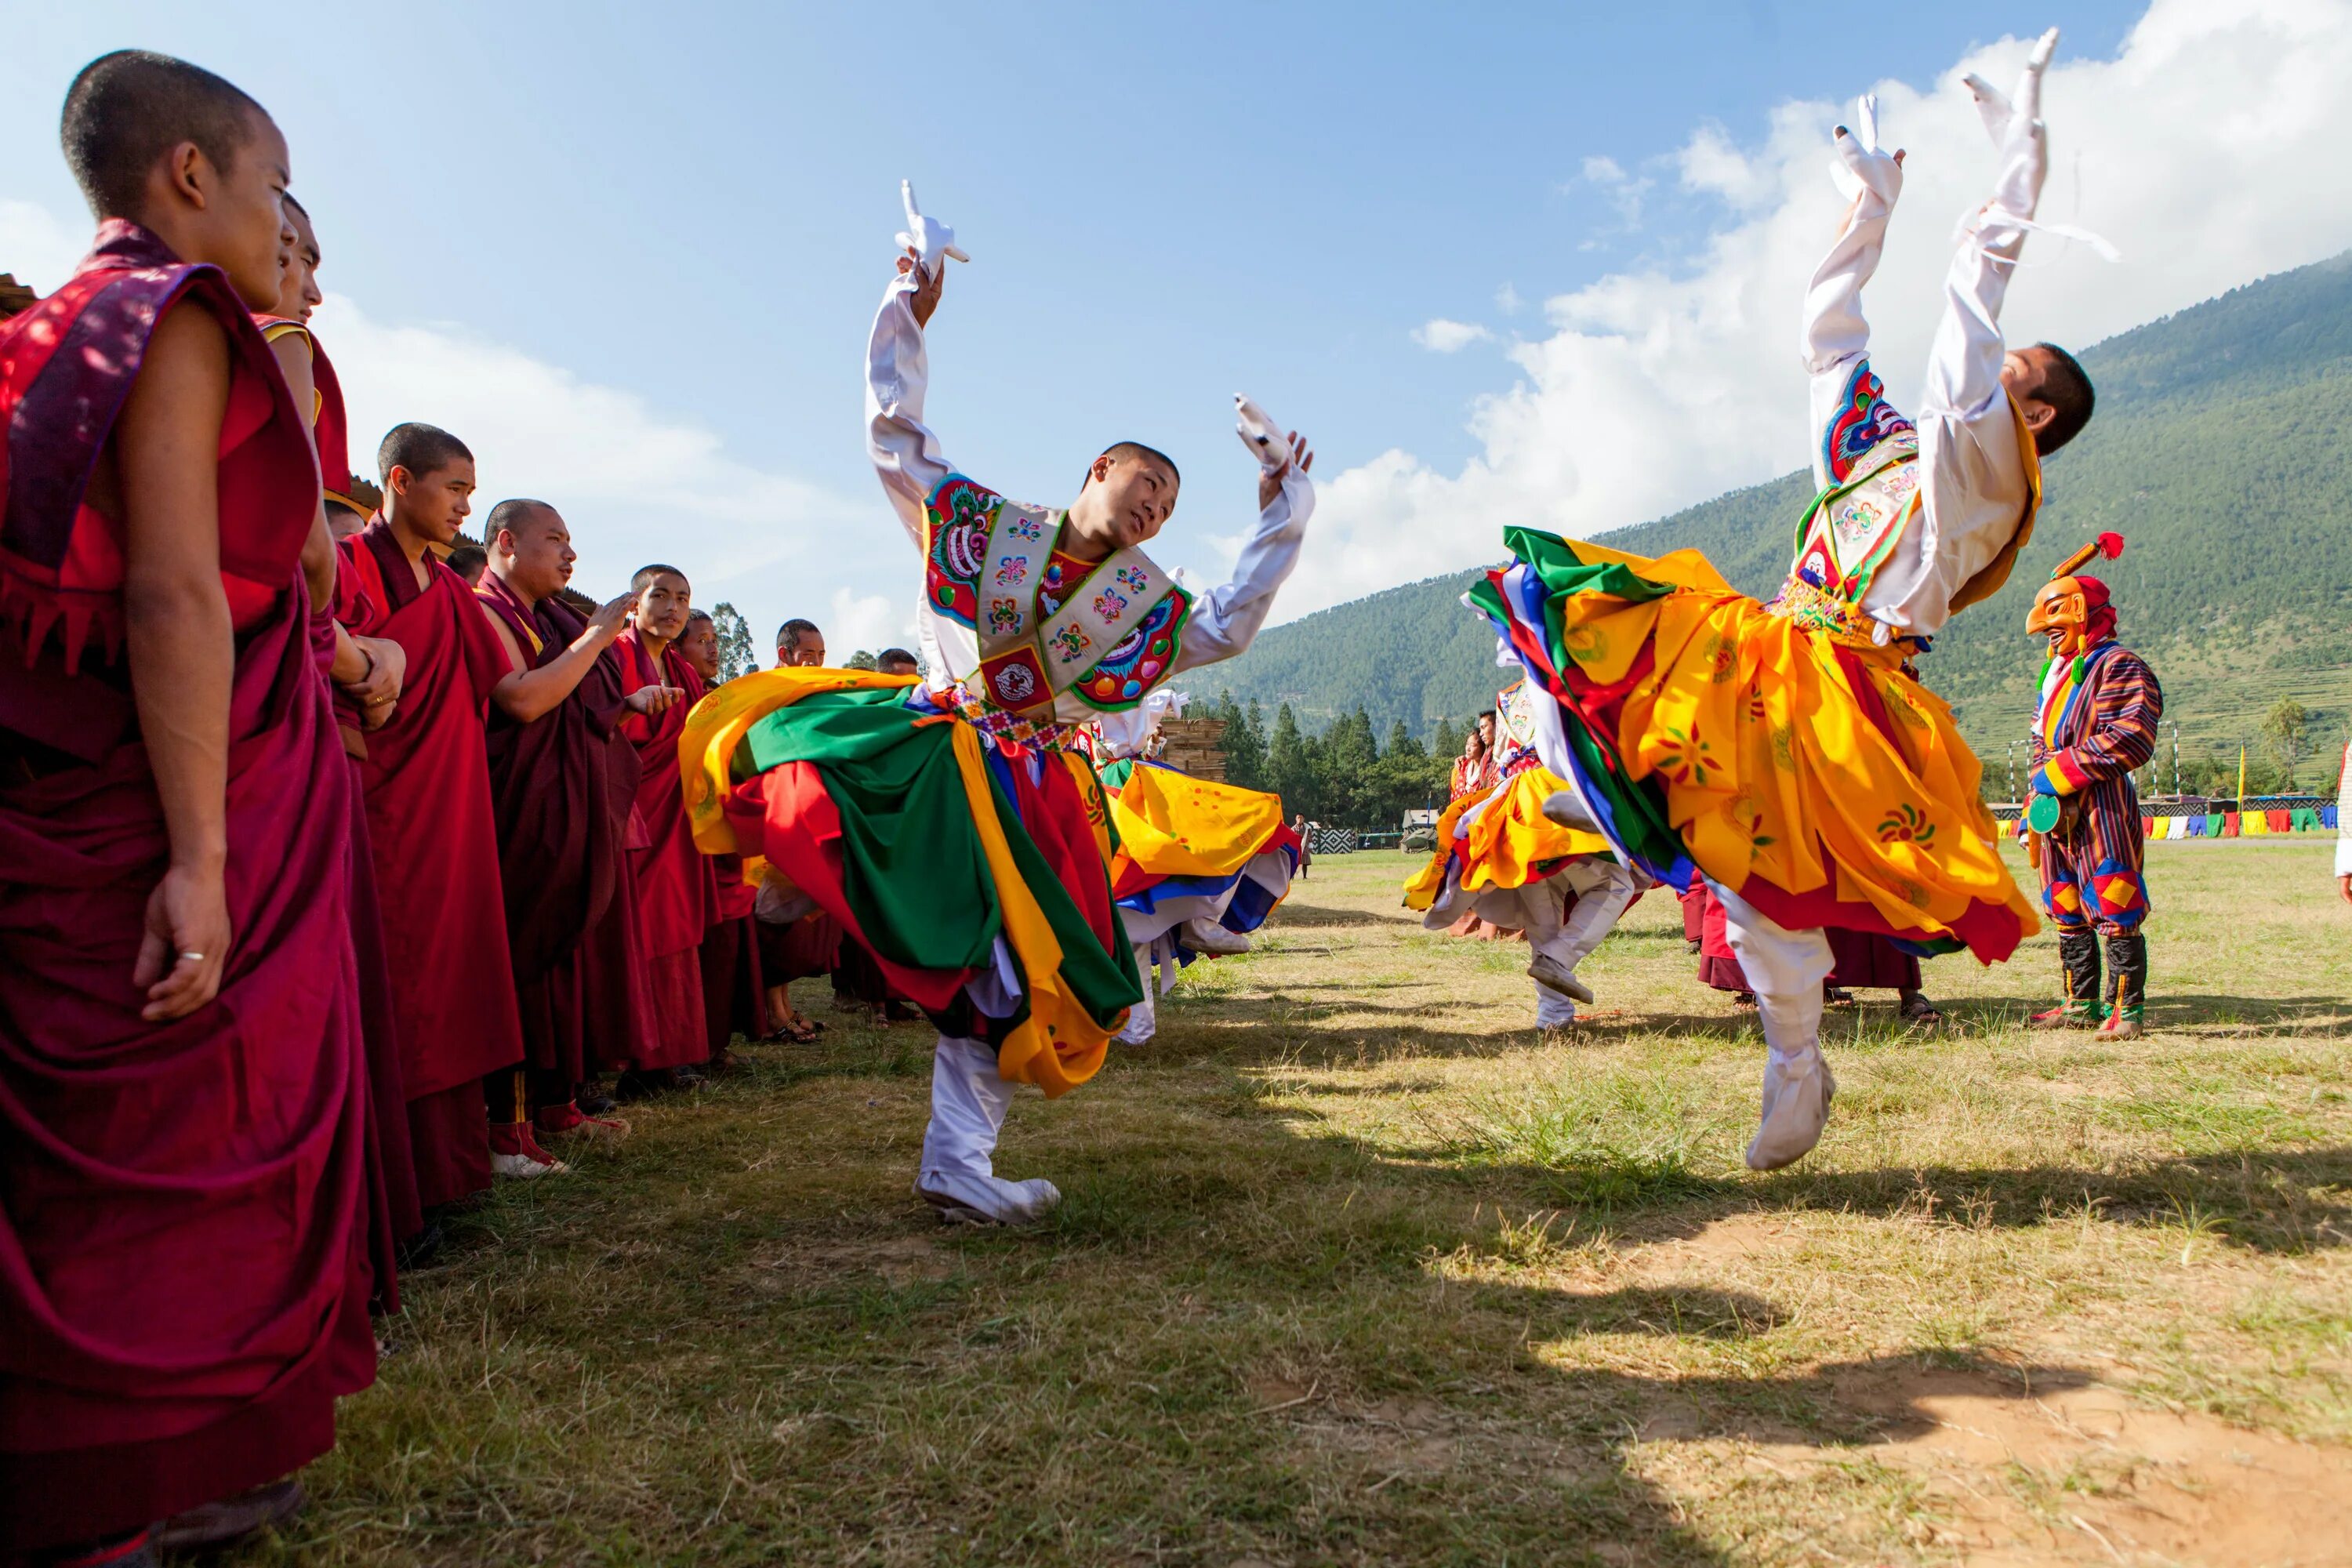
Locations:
column 1355, row 1267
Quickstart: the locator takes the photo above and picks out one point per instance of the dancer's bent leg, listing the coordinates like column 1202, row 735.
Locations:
column 1786, row 969
column 969, row 1099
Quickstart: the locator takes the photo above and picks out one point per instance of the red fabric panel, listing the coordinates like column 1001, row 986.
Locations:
column 786, row 816
column 436, row 851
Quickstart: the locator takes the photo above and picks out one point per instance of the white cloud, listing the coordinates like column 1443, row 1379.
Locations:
column 1441, row 336
column 634, row 482
column 1603, row 170
column 868, row 621
column 1508, row 301
column 2207, row 151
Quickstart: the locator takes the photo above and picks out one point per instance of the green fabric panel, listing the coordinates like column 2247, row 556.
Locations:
column 912, row 865
column 1115, row 776
column 2213, row 826
column 1556, row 562
column 2306, row 820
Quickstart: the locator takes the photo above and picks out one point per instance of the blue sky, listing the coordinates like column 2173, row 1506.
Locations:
column 689, row 213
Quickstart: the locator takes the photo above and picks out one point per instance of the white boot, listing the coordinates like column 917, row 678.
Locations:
column 1553, row 975
column 963, row 1198
column 1202, row 934
column 1797, row 1094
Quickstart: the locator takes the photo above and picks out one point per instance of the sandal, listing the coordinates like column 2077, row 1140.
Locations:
column 1920, row 1011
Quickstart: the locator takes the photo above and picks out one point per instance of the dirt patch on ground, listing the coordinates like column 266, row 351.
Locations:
column 898, row 1261
column 2081, row 1472
column 1733, row 1236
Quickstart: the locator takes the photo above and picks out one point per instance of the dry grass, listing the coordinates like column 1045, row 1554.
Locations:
column 1356, row 1269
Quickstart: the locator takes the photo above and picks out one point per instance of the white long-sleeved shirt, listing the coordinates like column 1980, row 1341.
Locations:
column 908, row 458
column 1973, row 480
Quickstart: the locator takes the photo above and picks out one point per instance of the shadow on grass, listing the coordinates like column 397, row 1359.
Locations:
column 2318, row 1017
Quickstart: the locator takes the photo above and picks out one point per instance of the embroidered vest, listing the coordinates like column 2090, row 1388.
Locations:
column 1515, row 726
column 1050, row 647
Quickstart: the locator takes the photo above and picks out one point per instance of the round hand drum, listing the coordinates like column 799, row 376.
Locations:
column 2041, row 812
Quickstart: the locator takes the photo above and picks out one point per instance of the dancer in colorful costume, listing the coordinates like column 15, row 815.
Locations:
column 1200, row 864
column 1782, row 752
column 1500, row 859
column 2100, row 704
column 953, row 828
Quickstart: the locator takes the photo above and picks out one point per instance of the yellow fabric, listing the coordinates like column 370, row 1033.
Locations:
column 1768, row 758
column 1172, row 824
column 1059, row 1046
column 1096, row 799
column 1510, row 839
column 705, row 748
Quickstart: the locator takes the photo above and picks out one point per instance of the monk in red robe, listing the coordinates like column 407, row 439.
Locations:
column 368, row 671
column 677, row 887
column 734, row 1002
column 811, row 946
column 183, row 1273
column 563, row 813
column 428, row 809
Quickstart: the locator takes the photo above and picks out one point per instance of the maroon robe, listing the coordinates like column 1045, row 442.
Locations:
column 436, row 854
column 677, row 888
column 734, row 987
column 562, row 788
column 183, row 1277
column 1859, row 960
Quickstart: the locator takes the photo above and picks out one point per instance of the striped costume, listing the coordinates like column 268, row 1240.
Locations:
column 2097, row 723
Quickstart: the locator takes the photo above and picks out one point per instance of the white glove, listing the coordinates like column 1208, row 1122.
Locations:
column 2017, row 130
column 928, row 237
column 1862, row 164
column 1261, row 434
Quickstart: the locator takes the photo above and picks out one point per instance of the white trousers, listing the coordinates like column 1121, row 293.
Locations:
column 1603, row 889
column 1785, row 968
column 969, row 1099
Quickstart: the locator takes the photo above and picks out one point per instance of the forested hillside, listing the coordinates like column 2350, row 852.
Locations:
column 2219, row 451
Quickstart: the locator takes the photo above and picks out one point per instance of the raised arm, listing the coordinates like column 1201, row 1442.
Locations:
column 1227, row 619
column 1836, row 348
column 523, row 693
column 905, row 453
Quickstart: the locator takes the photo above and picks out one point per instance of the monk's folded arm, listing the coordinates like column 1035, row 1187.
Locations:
column 524, row 695
column 181, row 643
column 292, row 352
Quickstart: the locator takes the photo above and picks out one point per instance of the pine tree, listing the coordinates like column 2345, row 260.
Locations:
column 1245, row 743
column 1290, row 767
column 861, row 659
column 735, row 654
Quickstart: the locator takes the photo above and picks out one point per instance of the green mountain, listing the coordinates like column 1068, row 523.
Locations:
column 2223, row 451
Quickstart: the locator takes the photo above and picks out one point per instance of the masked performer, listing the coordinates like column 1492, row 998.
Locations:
column 1781, row 752
column 952, row 827
column 2100, row 704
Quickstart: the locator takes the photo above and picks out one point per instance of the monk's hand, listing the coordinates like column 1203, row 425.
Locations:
column 1269, row 480
column 653, row 700
column 612, row 618
column 928, row 286
column 379, row 689
column 186, row 946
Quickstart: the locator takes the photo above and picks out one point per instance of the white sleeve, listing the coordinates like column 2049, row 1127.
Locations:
column 2343, row 816
column 1837, row 337
column 906, row 453
column 1972, row 474
column 1226, row 621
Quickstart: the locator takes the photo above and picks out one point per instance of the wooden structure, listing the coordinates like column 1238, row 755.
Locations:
column 14, row 296
column 1196, row 746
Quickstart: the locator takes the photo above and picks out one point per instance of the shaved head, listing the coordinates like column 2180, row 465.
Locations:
column 128, row 109
column 646, row 575
column 520, row 517
column 422, row 449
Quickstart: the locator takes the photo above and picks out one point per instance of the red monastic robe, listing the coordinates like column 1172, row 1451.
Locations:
column 734, row 988
column 184, row 1277
column 394, row 1212
column 437, row 856
column 561, row 789
column 678, row 891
